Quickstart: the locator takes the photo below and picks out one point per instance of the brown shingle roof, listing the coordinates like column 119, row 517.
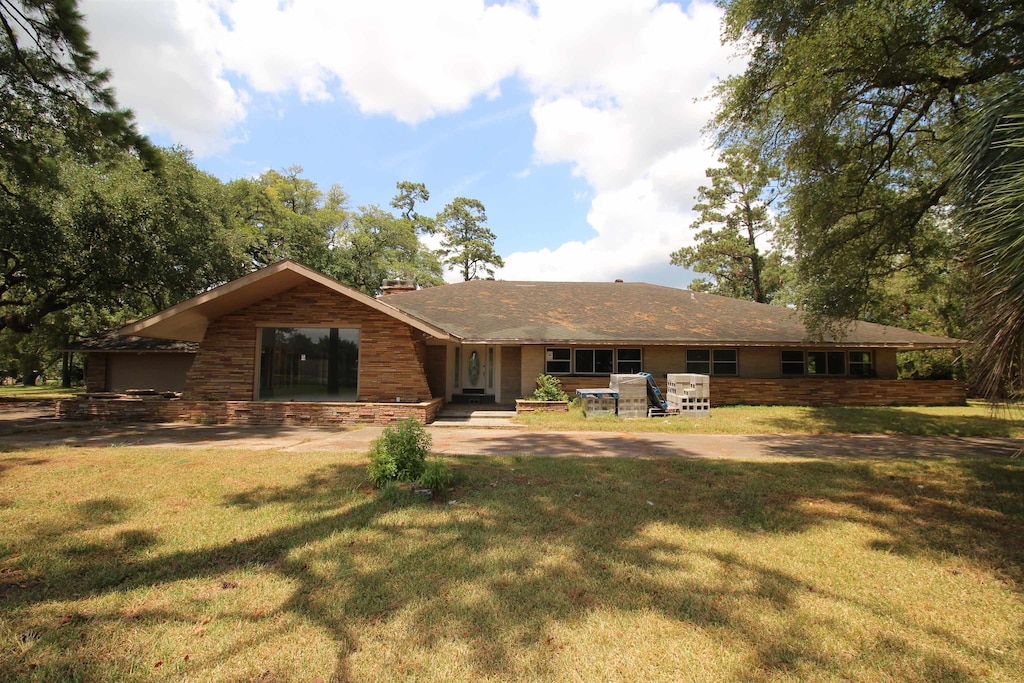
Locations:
column 111, row 341
column 633, row 312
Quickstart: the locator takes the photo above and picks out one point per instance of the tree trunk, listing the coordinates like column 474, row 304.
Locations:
column 65, row 370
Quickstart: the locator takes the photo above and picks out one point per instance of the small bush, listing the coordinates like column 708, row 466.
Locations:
column 399, row 454
column 549, row 389
column 436, row 477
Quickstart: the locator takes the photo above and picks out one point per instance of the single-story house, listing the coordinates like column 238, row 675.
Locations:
column 287, row 343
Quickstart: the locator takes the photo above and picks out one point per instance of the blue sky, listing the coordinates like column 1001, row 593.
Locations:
column 576, row 122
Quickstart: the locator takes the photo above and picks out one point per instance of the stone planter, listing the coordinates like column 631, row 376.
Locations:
column 525, row 405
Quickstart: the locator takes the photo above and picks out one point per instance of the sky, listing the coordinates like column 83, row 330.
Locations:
column 577, row 123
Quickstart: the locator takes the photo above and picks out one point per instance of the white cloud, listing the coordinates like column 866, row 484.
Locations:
column 623, row 98
column 178, row 87
column 617, row 88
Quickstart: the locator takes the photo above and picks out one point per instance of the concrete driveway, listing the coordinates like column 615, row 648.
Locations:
column 463, row 441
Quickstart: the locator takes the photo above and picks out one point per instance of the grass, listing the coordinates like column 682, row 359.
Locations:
column 975, row 419
column 41, row 392
column 217, row 565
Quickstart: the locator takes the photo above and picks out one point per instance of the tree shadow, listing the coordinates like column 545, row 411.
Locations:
column 907, row 421
column 534, row 543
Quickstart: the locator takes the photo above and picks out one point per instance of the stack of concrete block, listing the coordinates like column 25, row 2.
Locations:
column 690, row 394
column 597, row 401
column 632, row 391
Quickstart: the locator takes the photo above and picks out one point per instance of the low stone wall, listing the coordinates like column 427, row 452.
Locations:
column 312, row 413
column 523, row 406
column 836, row 392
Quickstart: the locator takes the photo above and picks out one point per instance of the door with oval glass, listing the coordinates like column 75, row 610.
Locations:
column 477, row 371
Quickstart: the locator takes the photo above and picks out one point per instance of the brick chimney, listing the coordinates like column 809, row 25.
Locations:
column 397, row 286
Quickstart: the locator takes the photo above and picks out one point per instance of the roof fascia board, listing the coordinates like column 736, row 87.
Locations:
column 905, row 346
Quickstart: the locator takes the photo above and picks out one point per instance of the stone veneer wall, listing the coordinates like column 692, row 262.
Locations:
column 810, row 392
column 311, row 413
column 391, row 353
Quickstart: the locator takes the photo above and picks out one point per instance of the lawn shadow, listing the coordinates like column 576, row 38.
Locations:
column 908, row 421
column 551, row 541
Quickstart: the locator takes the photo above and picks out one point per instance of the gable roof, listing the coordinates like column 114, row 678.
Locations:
column 188, row 320
column 496, row 311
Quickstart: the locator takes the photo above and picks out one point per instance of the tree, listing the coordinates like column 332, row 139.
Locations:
column 858, row 101
column 409, row 194
column 734, row 214
column 60, row 123
column 284, row 215
column 54, row 100
column 378, row 245
column 989, row 156
column 466, row 243
column 113, row 234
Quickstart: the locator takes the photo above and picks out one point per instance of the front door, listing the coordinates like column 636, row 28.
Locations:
column 478, row 370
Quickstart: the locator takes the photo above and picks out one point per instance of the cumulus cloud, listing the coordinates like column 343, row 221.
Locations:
column 617, row 89
column 179, row 87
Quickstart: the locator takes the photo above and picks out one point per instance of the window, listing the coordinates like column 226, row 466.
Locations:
column 630, row 361
column 558, row 361
column 723, row 362
column 594, row 361
column 712, row 362
column 861, row 365
column 834, row 363
column 826, row 363
column 309, row 364
column 792, row 362
column 698, row 361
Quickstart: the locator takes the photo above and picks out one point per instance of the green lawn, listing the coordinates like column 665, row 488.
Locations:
column 975, row 419
column 17, row 392
column 163, row 564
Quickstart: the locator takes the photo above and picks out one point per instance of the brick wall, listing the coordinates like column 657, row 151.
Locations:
column 312, row 413
column 810, row 392
column 835, row 392
column 391, row 353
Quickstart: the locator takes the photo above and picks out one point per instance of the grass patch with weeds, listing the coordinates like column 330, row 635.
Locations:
column 138, row 564
column 975, row 419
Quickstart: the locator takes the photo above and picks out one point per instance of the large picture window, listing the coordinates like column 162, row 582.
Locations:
column 309, row 364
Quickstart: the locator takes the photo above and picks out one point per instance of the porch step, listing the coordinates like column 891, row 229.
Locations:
column 472, row 416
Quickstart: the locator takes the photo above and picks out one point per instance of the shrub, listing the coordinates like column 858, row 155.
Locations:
column 549, row 389
column 436, row 477
column 399, row 454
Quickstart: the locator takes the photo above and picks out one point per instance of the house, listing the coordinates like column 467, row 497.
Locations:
column 289, row 344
